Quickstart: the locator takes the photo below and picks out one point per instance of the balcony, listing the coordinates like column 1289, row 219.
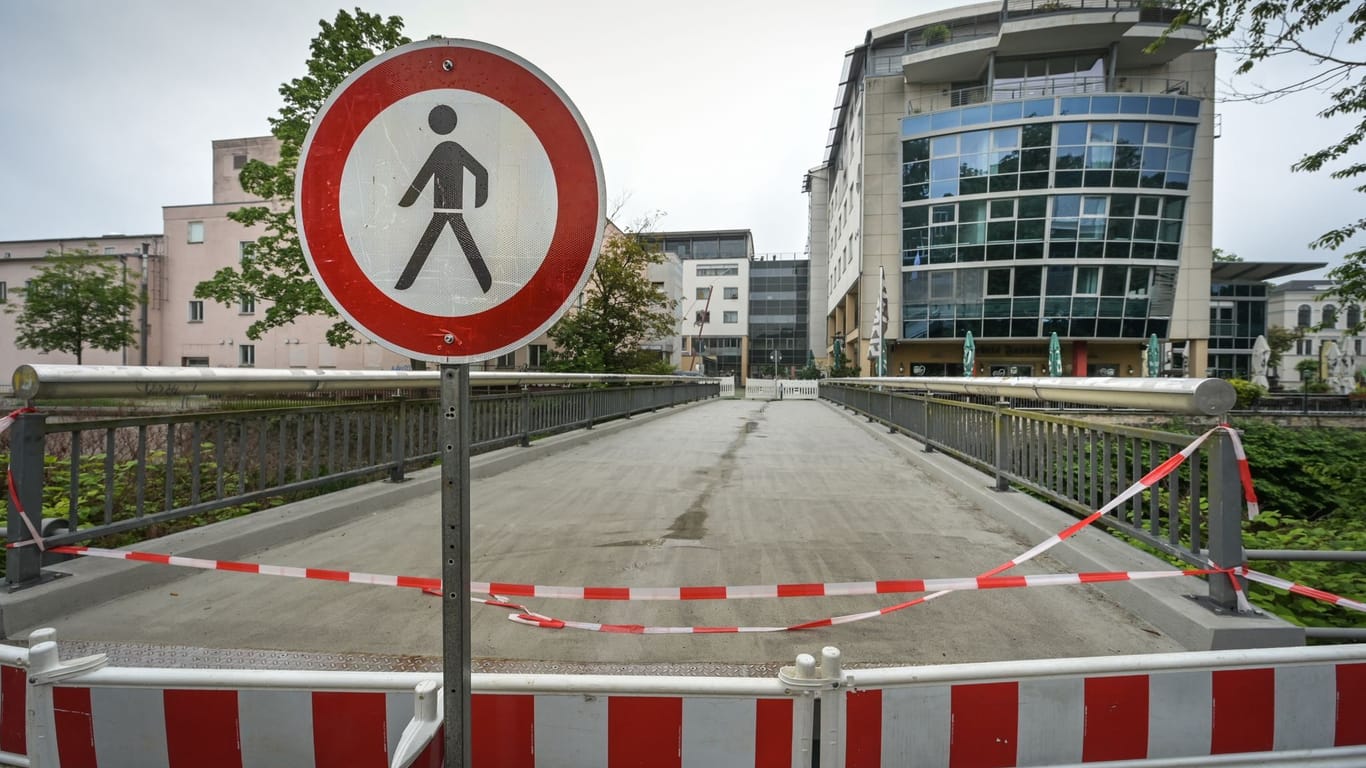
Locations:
column 960, row 49
column 1047, row 87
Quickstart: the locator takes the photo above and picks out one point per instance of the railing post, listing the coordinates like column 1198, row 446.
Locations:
column 1225, row 519
column 592, row 406
column 525, row 417
column 628, row 401
column 399, row 441
column 25, row 564
column 1002, row 447
column 925, row 406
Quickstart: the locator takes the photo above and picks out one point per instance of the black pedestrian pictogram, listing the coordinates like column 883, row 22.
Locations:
column 445, row 169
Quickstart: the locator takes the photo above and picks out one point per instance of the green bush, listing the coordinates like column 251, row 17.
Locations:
column 1248, row 393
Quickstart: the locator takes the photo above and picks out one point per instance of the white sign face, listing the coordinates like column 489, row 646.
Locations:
column 387, row 162
column 450, row 201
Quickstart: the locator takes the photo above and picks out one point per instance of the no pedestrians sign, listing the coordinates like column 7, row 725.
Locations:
column 450, row 200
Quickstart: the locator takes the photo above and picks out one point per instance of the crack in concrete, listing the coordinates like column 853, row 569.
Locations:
column 692, row 524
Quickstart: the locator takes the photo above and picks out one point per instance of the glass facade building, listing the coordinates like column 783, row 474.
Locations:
column 778, row 306
column 1053, row 221
column 1050, row 176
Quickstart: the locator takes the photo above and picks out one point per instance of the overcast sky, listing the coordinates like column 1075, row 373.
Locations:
column 707, row 111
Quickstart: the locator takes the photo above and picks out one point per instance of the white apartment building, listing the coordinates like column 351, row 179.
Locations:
column 716, row 316
column 1301, row 305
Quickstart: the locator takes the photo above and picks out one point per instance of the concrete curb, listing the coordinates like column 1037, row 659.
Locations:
column 83, row 583
column 1166, row 604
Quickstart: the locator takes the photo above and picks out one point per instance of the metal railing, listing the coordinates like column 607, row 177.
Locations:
column 1193, row 514
column 80, row 480
column 1047, row 87
column 1156, row 11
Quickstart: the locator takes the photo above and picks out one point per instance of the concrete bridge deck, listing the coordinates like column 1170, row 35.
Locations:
column 726, row 492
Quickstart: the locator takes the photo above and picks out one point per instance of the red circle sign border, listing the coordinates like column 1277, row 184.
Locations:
column 517, row 85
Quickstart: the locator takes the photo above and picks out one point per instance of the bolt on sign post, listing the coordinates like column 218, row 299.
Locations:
column 450, row 203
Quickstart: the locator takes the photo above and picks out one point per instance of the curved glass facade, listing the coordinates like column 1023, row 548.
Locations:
column 1080, row 201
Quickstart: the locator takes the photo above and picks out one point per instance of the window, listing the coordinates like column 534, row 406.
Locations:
column 196, row 311
column 539, row 355
column 247, row 306
column 703, row 317
column 1305, row 318
column 194, row 232
column 244, row 248
column 1330, row 316
column 730, row 317
column 726, row 271
column 239, row 162
column 109, row 250
column 704, row 292
column 4, row 292
column 195, row 362
column 732, row 292
column 506, row 362
column 1088, row 281
column 1353, row 311
column 246, row 355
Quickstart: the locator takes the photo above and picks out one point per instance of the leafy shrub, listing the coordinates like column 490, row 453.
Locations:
column 1248, row 393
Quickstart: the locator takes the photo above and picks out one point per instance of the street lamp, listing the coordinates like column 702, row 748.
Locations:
column 776, row 357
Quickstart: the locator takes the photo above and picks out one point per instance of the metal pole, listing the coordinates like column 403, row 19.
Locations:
column 24, row 564
column 455, row 560
column 1002, row 446
column 1225, row 519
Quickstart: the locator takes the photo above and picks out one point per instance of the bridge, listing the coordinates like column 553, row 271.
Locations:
column 873, row 485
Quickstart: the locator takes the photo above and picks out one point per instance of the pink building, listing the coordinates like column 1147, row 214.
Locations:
column 200, row 240
column 135, row 256
column 182, row 330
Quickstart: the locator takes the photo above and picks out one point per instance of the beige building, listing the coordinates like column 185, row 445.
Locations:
column 1018, row 169
column 136, row 257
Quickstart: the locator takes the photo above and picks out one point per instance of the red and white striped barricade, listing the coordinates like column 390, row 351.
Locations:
column 84, row 714
column 1068, row 711
column 13, row 700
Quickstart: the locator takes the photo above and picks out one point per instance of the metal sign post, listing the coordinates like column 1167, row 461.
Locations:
column 454, row 434
column 382, row 176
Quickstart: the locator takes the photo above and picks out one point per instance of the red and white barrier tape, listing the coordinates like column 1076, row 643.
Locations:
column 986, row 580
column 1300, row 589
column 1244, row 473
column 504, row 589
column 944, row 585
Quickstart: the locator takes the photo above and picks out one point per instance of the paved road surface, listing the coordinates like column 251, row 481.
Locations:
column 731, row 492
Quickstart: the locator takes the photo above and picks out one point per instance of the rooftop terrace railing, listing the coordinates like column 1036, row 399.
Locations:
column 84, row 478
column 1045, row 88
column 1193, row 513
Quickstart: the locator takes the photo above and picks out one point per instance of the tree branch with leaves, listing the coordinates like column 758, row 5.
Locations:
column 622, row 311
column 1321, row 32
column 273, row 268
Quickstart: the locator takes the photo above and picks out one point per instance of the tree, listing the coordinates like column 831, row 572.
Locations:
column 1280, row 340
column 1309, row 376
column 77, row 301
column 622, row 311
column 1261, row 30
column 1223, row 256
column 273, row 268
